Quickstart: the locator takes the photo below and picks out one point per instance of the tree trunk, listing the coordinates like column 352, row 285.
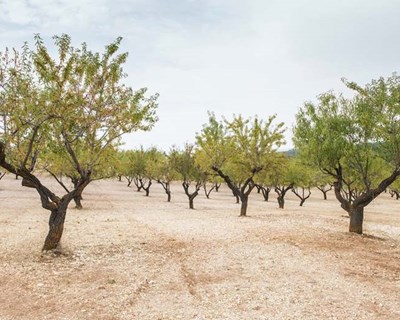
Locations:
column 147, row 188
column 325, row 197
column 56, row 228
column 356, row 220
column 236, row 196
column 77, row 200
column 193, row 195
column 168, row 196
column 265, row 193
column 243, row 207
column 281, row 202
column 302, row 202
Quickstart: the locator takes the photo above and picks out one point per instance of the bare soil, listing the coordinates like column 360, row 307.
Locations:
column 127, row 256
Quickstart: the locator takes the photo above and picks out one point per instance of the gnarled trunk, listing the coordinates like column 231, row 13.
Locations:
column 147, row 188
column 167, row 188
column 208, row 192
column 240, row 191
column 356, row 220
column 78, row 203
column 193, row 195
column 265, row 192
column 281, row 192
column 236, row 196
column 56, row 228
column 243, row 207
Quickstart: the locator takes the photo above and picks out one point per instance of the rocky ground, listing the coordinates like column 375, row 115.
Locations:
column 127, row 256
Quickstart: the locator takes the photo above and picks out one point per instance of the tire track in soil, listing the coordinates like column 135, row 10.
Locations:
column 176, row 252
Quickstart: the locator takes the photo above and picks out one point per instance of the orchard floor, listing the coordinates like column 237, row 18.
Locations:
column 127, row 256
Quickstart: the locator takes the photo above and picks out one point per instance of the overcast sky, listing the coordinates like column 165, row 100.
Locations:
column 254, row 57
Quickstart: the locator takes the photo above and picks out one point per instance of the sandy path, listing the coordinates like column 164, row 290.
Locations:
column 127, row 256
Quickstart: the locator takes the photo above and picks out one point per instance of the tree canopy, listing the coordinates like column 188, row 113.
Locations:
column 239, row 149
column 354, row 140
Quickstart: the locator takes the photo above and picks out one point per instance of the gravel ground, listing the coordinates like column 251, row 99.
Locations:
column 127, row 256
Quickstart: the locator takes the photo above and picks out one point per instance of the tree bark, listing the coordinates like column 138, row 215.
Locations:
column 193, row 195
column 324, row 191
column 78, row 203
column 167, row 188
column 281, row 202
column 265, row 192
column 56, row 228
column 147, row 188
column 281, row 192
column 243, row 207
column 237, row 198
column 301, row 194
column 241, row 192
column 208, row 192
column 356, row 220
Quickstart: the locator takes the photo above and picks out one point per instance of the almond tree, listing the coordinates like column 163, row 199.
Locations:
column 238, row 150
column 303, row 178
column 264, row 184
column 74, row 105
column 139, row 168
column 323, row 183
column 281, row 178
column 162, row 170
column 184, row 163
column 125, row 167
column 354, row 140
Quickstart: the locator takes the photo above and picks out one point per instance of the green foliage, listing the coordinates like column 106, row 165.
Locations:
column 241, row 147
column 359, row 136
column 355, row 141
column 74, row 106
column 183, row 162
column 300, row 174
column 280, row 172
column 161, row 169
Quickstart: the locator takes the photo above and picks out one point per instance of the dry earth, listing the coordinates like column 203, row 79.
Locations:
column 127, row 256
